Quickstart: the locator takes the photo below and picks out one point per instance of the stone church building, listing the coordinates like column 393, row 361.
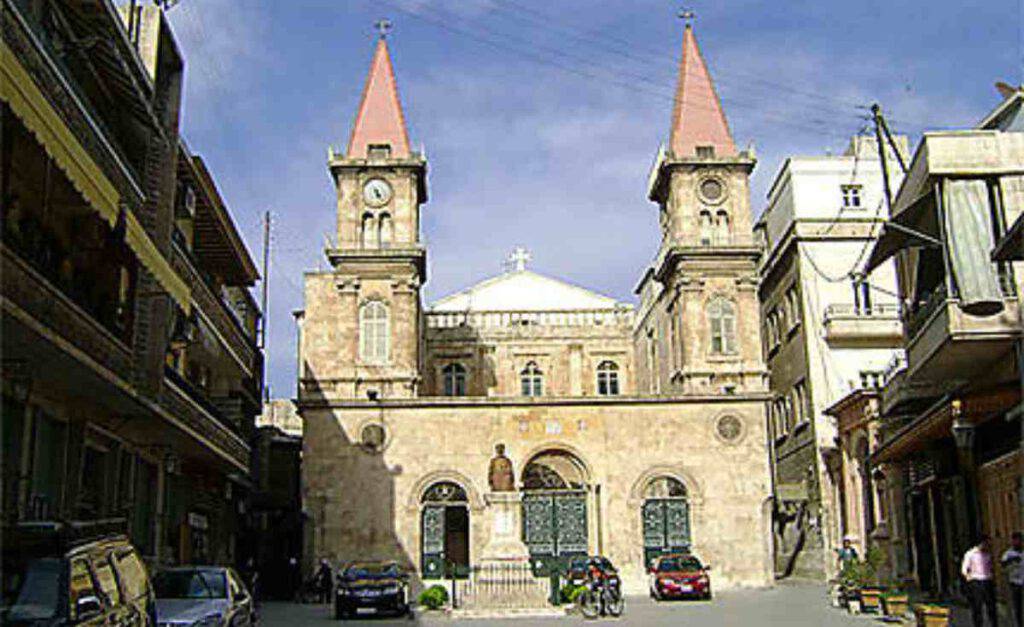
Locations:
column 633, row 431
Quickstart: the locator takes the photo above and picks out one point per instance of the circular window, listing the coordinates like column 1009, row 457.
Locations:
column 729, row 428
column 712, row 190
column 372, row 437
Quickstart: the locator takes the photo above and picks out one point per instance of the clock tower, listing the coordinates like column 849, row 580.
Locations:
column 371, row 309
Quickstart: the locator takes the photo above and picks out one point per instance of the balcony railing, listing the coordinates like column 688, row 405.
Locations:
column 847, row 310
column 35, row 294
column 224, row 320
column 190, row 405
column 510, row 319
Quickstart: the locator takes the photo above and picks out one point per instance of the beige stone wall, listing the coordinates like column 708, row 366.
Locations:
column 330, row 365
column 365, row 504
column 494, row 357
column 403, row 207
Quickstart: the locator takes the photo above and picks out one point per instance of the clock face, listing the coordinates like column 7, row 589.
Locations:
column 376, row 192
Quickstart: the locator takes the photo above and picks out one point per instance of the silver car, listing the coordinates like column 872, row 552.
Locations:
column 202, row 596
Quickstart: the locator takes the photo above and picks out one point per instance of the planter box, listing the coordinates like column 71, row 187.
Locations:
column 896, row 605
column 871, row 599
column 931, row 616
column 853, row 605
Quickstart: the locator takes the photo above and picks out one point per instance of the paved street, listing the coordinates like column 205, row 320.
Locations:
column 784, row 605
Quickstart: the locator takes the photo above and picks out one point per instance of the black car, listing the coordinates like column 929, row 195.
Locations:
column 371, row 588
column 60, row 573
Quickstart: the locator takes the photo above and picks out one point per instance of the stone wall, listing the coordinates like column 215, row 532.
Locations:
column 365, row 504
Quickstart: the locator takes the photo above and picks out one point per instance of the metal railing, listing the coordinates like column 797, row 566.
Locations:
column 850, row 310
column 502, row 586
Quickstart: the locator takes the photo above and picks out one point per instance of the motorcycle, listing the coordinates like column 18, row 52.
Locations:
column 603, row 596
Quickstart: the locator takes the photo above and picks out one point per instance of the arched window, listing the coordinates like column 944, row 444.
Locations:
column 722, row 233
column 532, row 380
column 706, row 228
column 373, row 332
column 444, row 492
column 386, row 230
column 722, row 319
column 368, row 231
column 608, row 378
column 454, row 376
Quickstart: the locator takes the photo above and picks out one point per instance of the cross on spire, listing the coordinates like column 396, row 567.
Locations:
column 518, row 258
column 687, row 15
column 383, row 26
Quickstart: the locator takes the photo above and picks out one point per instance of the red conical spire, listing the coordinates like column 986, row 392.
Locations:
column 379, row 119
column 697, row 117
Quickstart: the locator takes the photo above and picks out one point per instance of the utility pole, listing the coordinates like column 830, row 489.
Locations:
column 876, row 115
column 264, row 301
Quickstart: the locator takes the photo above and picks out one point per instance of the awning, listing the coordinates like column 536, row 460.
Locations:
column 903, row 231
column 20, row 92
column 1011, row 246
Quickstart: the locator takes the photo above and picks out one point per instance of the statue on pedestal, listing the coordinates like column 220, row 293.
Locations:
column 500, row 475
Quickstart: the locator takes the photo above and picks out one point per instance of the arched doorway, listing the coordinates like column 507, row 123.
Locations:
column 554, row 509
column 444, row 527
column 666, row 518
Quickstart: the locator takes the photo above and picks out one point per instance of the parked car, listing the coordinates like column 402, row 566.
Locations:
column 74, row 573
column 371, row 588
column 202, row 596
column 679, row 576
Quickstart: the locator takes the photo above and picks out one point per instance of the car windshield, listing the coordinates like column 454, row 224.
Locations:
column 190, row 584
column 371, row 571
column 30, row 590
column 671, row 564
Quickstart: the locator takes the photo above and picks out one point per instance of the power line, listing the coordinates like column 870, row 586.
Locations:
column 626, row 49
column 822, row 129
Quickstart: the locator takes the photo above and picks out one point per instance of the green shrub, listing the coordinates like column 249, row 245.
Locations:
column 569, row 592
column 434, row 597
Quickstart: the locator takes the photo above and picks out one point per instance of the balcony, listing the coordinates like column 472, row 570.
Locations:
column 190, row 405
column 877, row 326
column 29, row 293
column 230, row 331
column 946, row 343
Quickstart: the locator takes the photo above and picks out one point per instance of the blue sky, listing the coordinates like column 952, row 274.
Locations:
column 541, row 119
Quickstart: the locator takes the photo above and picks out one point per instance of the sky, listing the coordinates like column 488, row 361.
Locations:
column 541, row 119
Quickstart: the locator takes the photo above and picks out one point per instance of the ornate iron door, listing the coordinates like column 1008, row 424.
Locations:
column 432, row 542
column 554, row 528
column 666, row 527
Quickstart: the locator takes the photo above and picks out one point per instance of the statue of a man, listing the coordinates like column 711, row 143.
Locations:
column 500, row 475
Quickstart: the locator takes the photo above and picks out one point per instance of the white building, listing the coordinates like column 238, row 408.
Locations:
column 826, row 331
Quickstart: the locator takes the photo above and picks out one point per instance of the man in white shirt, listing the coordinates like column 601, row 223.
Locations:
column 1013, row 562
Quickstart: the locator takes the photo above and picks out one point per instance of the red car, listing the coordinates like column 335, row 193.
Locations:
column 678, row 577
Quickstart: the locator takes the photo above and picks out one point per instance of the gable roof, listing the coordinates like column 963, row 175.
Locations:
column 380, row 119
column 697, row 116
column 524, row 290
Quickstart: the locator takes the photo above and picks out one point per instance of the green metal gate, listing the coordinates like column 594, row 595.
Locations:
column 432, row 559
column 666, row 527
column 554, row 528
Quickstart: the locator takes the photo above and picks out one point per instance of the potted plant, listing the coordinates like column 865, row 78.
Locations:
column 434, row 597
column 871, row 589
column 853, row 579
column 930, row 615
column 896, row 603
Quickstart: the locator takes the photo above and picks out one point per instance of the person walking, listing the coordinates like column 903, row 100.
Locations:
column 981, row 586
column 324, row 578
column 846, row 555
column 1013, row 562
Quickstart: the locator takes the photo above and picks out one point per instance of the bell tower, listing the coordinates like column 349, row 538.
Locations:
column 704, row 336
column 379, row 262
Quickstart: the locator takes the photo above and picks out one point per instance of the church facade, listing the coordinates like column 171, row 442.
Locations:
column 632, row 430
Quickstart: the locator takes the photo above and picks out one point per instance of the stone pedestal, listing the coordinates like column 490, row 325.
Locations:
column 502, row 582
column 506, row 544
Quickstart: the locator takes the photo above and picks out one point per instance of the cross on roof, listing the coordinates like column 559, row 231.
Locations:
column 519, row 257
column 383, row 27
column 687, row 15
